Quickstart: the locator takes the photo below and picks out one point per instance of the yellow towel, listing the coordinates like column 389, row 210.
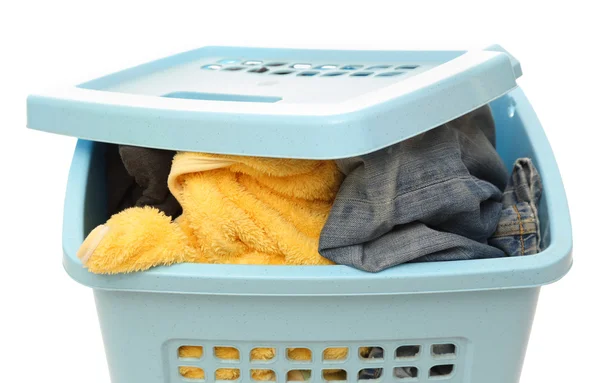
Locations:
column 236, row 210
column 263, row 354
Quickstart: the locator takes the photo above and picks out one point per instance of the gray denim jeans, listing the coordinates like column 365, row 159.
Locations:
column 434, row 197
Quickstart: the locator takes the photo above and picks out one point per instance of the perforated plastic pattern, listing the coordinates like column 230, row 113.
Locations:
column 309, row 81
column 422, row 360
column 317, row 104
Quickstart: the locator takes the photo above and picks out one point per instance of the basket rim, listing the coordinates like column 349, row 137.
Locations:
column 433, row 277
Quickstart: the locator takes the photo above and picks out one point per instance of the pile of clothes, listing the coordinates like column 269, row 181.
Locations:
column 440, row 196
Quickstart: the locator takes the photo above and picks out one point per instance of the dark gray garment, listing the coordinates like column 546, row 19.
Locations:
column 434, row 197
column 121, row 189
column 518, row 232
column 138, row 177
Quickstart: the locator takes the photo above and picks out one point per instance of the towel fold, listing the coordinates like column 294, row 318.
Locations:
column 236, row 210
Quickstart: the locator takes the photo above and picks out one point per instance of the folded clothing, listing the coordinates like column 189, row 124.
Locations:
column 434, row 197
column 236, row 210
column 518, row 232
column 137, row 176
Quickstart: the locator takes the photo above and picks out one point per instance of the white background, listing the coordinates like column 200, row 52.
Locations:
column 48, row 325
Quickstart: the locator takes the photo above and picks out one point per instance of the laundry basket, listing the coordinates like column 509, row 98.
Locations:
column 456, row 322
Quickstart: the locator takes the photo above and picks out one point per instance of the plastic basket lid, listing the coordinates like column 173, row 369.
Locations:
column 317, row 104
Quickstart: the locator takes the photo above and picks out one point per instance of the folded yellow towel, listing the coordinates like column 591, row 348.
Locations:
column 236, row 210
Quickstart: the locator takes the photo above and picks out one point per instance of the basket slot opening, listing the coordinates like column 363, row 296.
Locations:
column 443, row 350
column 229, row 61
column 327, row 67
column 301, row 66
column 335, row 375
column 225, row 353
column 192, row 373
column 227, row 374
column 408, row 352
column 190, row 352
column 407, row 67
column 389, row 74
column 299, row 355
column 335, row 354
column 262, row 354
column 351, row 67
column 234, row 68
column 299, row 375
column 262, row 69
column 370, row 353
column 262, row 375
column 406, row 372
column 379, row 67
column 283, row 72
column 308, row 74
column 440, row 371
column 370, row 374
column 333, row 74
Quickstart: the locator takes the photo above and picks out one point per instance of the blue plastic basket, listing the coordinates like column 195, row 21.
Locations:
column 307, row 104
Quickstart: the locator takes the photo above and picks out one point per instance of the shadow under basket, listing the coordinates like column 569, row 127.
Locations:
column 454, row 322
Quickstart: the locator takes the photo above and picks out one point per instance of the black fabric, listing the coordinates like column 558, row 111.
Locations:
column 138, row 176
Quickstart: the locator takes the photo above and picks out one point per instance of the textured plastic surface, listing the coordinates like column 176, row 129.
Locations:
column 278, row 102
column 484, row 308
column 519, row 134
column 142, row 332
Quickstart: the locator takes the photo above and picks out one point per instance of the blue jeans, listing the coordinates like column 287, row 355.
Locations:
column 518, row 232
